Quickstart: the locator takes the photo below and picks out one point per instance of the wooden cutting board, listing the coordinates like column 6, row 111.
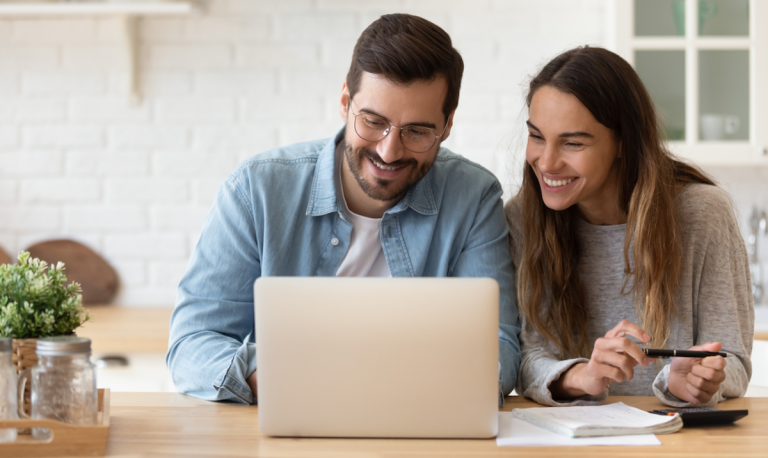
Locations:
column 97, row 278
column 4, row 258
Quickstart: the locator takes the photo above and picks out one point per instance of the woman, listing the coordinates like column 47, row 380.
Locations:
column 619, row 246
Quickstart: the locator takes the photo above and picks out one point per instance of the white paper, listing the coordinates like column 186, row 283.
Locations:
column 616, row 415
column 516, row 432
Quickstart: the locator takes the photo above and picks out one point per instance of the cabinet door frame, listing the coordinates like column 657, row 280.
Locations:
column 754, row 151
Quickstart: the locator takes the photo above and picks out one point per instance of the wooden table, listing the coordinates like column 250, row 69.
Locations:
column 171, row 424
column 115, row 329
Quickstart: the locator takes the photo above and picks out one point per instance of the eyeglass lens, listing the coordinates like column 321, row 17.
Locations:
column 372, row 128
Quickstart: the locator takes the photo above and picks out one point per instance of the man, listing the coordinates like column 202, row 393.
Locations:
column 381, row 198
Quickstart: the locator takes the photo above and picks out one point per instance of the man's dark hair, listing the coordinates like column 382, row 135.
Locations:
column 405, row 48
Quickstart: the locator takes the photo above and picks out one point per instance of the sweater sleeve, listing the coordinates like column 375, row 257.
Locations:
column 540, row 367
column 723, row 309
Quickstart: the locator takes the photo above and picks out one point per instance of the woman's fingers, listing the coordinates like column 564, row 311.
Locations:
column 615, row 356
column 709, row 346
column 714, row 362
column 622, row 362
column 617, row 353
column 702, row 384
column 698, row 396
column 697, row 379
column 598, row 371
column 714, row 373
column 704, row 379
column 628, row 328
column 623, row 345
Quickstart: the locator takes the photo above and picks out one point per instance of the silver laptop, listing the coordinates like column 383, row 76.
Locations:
column 377, row 357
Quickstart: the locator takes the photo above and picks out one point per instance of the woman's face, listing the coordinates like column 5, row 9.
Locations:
column 574, row 157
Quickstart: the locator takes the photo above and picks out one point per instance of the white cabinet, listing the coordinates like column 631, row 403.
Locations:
column 705, row 63
column 758, row 384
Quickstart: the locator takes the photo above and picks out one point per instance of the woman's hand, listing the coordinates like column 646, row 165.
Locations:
column 613, row 360
column 696, row 380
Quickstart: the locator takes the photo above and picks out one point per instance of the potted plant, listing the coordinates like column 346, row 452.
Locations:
column 35, row 302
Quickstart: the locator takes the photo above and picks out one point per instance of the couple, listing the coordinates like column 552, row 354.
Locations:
column 611, row 242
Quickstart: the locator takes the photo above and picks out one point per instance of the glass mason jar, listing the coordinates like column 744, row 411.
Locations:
column 7, row 389
column 63, row 383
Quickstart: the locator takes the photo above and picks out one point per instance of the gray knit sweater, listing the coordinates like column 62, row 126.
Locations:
column 713, row 300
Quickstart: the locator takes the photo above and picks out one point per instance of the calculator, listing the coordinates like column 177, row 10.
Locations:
column 704, row 416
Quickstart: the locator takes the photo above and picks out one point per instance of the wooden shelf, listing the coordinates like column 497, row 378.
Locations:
column 129, row 12
column 140, row 8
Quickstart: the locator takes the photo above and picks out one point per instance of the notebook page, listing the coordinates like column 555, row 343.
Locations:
column 516, row 432
column 618, row 415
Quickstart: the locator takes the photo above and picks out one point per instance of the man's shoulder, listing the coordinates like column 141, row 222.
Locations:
column 296, row 153
column 456, row 169
column 282, row 163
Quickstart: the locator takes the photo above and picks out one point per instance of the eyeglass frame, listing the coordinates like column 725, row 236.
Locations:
column 391, row 126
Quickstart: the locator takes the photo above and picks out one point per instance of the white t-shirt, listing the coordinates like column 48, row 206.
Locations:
column 365, row 257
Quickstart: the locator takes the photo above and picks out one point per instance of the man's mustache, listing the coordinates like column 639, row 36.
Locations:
column 375, row 157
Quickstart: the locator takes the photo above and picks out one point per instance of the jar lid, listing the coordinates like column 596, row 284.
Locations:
column 6, row 344
column 63, row 345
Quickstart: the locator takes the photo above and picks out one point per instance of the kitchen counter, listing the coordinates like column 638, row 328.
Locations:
column 115, row 329
column 761, row 322
column 129, row 346
column 140, row 335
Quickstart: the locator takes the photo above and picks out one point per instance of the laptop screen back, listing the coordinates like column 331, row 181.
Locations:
column 377, row 357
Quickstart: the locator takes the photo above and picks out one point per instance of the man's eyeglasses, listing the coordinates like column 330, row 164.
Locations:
column 417, row 139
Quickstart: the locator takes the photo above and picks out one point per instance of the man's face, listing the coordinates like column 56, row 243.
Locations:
column 385, row 170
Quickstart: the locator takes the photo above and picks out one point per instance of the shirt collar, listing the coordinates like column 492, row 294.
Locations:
column 325, row 198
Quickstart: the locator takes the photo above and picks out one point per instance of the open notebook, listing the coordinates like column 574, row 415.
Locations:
column 616, row 419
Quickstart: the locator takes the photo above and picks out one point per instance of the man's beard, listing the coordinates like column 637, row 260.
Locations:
column 381, row 189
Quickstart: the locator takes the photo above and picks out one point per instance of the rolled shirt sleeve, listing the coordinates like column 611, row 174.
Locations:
column 211, row 348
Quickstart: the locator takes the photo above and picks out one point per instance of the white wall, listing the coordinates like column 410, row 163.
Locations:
column 136, row 182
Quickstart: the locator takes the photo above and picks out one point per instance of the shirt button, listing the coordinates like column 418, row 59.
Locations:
column 334, row 241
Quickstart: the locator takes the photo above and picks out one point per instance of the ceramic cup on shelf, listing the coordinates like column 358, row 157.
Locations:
column 714, row 127
column 707, row 10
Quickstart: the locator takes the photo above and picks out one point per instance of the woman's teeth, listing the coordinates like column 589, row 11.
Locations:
column 382, row 166
column 557, row 183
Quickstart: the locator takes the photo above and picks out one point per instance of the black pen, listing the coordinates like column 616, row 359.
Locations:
column 653, row 352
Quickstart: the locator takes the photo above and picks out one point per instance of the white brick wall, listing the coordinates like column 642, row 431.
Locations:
column 135, row 183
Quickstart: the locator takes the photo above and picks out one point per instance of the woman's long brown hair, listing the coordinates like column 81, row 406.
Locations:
column 649, row 180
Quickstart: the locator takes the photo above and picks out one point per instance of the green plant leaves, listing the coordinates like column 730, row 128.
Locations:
column 36, row 301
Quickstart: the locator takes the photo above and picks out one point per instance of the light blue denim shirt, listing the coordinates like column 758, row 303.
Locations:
column 279, row 214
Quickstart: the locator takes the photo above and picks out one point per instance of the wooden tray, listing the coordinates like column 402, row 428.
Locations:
column 68, row 440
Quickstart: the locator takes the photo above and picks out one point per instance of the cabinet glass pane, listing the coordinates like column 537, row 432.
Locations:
column 663, row 73
column 659, row 17
column 724, row 95
column 724, row 17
